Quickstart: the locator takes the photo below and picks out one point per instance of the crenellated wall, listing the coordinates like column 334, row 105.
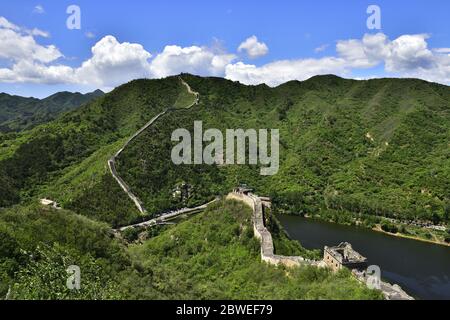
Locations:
column 264, row 236
column 390, row 292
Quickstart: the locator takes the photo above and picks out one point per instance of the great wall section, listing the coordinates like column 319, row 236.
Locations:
column 390, row 292
column 112, row 161
column 256, row 203
column 264, row 235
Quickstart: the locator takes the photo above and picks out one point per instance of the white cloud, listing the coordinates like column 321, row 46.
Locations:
column 278, row 72
column 321, row 48
column 253, row 47
column 35, row 72
column 5, row 24
column 39, row 9
column 409, row 52
column 201, row 61
column 113, row 63
column 18, row 44
column 442, row 50
column 39, row 33
column 365, row 53
column 407, row 56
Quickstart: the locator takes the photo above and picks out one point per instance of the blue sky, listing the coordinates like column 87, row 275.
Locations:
column 291, row 40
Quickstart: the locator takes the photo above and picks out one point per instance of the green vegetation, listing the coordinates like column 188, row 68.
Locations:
column 215, row 256
column 355, row 152
column 375, row 148
column 38, row 244
column 348, row 148
column 66, row 159
column 18, row 113
column 212, row 255
column 389, row 227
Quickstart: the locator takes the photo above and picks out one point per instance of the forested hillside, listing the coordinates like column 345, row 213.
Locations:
column 67, row 158
column 211, row 256
column 348, row 148
column 377, row 147
column 18, row 113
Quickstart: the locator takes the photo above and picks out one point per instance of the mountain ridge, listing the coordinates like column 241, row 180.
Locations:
column 331, row 128
column 18, row 113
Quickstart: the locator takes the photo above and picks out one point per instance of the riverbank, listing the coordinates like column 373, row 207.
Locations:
column 378, row 228
column 401, row 235
column 420, row 268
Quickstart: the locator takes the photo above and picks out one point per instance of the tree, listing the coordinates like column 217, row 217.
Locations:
column 45, row 277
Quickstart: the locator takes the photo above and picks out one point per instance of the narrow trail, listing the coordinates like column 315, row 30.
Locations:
column 112, row 161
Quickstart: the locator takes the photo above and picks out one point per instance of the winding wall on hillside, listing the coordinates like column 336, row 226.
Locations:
column 112, row 161
column 165, row 217
column 264, row 235
column 390, row 291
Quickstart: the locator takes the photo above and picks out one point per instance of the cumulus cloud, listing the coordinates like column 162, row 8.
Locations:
column 442, row 50
column 18, row 44
column 278, row 72
column 408, row 55
column 409, row 52
column 253, row 47
column 5, row 24
column 112, row 62
column 35, row 72
column 201, row 61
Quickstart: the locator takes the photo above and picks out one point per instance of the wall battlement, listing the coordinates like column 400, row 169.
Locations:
column 390, row 292
column 264, row 235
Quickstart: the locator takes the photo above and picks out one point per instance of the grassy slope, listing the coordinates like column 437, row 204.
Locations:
column 328, row 157
column 212, row 255
column 215, row 256
column 329, row 163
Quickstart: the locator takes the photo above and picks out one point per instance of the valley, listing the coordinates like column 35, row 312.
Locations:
column 348, row 150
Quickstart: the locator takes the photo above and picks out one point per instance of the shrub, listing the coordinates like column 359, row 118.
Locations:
column 389, row 227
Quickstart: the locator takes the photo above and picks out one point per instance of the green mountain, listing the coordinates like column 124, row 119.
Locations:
column 365, row 150
column 377, row 147
column 211, row 256
column 19, row 113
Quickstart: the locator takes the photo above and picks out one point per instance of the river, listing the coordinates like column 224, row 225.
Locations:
column 421, row 269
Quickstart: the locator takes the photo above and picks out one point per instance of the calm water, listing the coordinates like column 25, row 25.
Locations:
column 421, row 269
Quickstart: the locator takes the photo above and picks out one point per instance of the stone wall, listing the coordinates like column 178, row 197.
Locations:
column 390, row 292
column 264, row 236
